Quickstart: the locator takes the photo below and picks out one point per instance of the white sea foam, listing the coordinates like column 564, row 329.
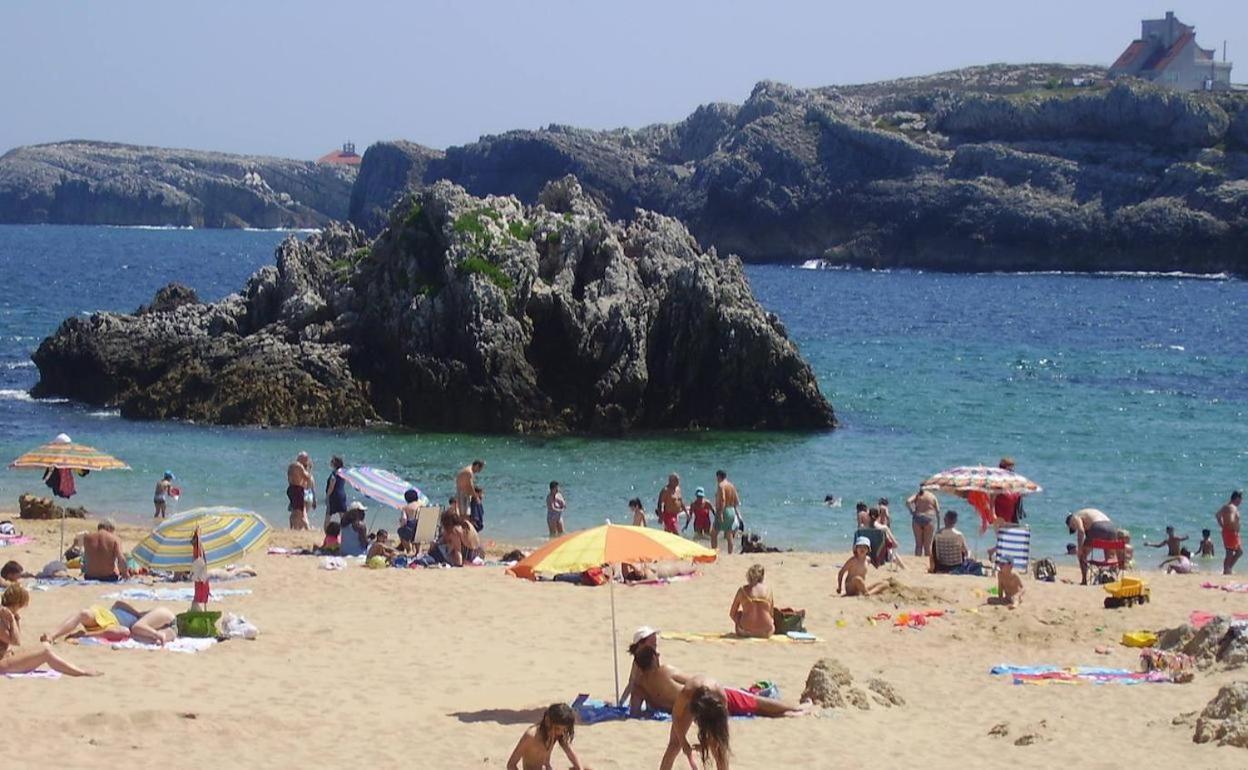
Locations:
column 15, row 394
column 1171, row 274
column 105, row 413
column 150, row 227
column 20, row 365
column 306, row 230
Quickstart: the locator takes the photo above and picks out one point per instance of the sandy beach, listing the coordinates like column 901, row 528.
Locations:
column 444, row 668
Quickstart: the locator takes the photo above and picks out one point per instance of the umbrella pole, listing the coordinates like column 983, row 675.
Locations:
column 62, row 551
column 615, row 652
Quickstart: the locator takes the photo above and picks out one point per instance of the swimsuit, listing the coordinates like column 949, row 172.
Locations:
column 741, row 703
column 1102, row 530
column 1230, row 539
column 701, row 516
column 294, row 494
column 727, row 519
column 669, row 522
column 923, row 520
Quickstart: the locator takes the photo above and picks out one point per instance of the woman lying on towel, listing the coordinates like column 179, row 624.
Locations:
column 14, row 600
column 122, row 621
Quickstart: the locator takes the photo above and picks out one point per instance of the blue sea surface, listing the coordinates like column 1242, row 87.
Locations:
column 1125, row 393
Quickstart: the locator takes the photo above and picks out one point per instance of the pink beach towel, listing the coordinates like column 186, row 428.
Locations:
column 1199, row 618
column 1235, row 588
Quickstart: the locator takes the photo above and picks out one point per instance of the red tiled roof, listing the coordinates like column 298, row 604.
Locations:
column 1168, row 55
column 341, row 157
column 1128, row 56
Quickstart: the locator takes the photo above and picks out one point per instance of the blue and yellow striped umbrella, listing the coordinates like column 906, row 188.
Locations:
column 224, row 533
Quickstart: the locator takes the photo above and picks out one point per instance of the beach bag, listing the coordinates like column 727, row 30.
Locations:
column 593, row 576
column 787, row 619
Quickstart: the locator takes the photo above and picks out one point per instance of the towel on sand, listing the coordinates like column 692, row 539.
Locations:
column 1077, row 674
column 1235, row 588
column 793, row 637
column 591, row 711
column 15, row 540
column 172, row 594
column 1199, row 618
column 181, row 644
column 36, row 674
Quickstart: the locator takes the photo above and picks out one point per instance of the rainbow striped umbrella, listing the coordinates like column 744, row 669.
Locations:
column 65, row 454
column 224, row 535
column 609, row 544
column 981, row 478
column 380, row 485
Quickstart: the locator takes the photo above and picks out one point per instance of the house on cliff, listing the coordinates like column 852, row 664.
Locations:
column 347, row 156
column 1168, row 55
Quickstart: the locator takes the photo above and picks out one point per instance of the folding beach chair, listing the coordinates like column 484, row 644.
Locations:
column 427, row 518
column 1113, row 561
column 1014, row 543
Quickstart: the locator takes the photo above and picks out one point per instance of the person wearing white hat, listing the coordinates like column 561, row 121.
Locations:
column 853, row 575
column 644, row 636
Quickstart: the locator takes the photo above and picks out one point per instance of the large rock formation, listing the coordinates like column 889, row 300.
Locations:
column 464, row 314
column 988, row 168
column 96, row 183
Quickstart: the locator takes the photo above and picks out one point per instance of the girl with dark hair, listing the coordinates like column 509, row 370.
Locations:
column 558, row 727
column 700, row 702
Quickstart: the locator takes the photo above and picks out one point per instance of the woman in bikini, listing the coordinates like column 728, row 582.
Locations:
column 751, row 610
column 156, row 626
column 924, row 509
column 14, row 600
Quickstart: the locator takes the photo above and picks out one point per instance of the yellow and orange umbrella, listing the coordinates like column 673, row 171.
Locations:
column 608, row 544
column 65, row 454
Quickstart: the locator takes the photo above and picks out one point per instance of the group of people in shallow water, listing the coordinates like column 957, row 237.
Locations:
column 713, row 520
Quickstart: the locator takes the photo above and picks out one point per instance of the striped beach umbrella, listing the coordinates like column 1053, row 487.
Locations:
column 66, row 454
column 609, row 544
column 980, row 478
column 380, row 485
column 225, row 534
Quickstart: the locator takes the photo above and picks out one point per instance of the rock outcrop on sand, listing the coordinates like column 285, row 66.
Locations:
column 1031, row 167
column 32, row 507
column 1225, row 719
column 100, row 183
column 1222, row 642
column 830, row 685
column 465, row 314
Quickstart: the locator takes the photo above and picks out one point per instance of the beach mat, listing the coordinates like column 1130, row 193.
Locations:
column 173, row 594
column 36, row 674
column 15, row 540
column 1044, row 675
column 181, row 644
column 590, row 711
column 1235, row 588
column 1199, row 618
column 793, row 637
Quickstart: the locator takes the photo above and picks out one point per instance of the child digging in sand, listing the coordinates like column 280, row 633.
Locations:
column 558, row 726
column 1009, row 584
column 853, row 574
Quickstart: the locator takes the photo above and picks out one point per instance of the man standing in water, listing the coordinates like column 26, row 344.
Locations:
column 465, row 484
column 727, row 511
column 298, row 482
column 671, row 504
column 1228, row 519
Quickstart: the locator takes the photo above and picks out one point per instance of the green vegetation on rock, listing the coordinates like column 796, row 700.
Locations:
column 486, row 269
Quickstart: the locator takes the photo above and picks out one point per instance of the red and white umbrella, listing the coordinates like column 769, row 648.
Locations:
column 199, row 573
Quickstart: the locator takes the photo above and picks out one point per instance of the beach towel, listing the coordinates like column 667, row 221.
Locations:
column 36, row 674
column 173, row 594
column 185, row 644
column 1235, row 588
column 1039, row 675
column 793, row 637
column 1199, row 618
column 15, row 540
column 591, row 711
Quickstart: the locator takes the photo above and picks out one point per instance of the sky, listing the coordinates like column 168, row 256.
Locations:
column 297, row 79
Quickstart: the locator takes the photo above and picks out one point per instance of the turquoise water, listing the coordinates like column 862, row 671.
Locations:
column 1123, row 393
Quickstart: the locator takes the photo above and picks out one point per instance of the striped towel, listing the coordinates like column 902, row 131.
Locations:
column 1015, row 544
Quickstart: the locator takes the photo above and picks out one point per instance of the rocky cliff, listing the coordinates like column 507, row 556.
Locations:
column 464, row 314
column 989, row 168
column 115, row 184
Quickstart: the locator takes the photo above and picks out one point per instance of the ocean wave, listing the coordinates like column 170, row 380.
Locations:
column 305, row 230
column 149, row 227
column 16, row 394
column 1144, row 274
column 105, row 413
column 19, row 365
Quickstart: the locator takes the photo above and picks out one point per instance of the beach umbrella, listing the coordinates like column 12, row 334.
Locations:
column 609, row 544
column 980, row 485
column 380, row 485
column 225, row 534
column 199, row 573
column 61, row 452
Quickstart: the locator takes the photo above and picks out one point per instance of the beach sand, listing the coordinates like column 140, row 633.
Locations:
column 445, row 668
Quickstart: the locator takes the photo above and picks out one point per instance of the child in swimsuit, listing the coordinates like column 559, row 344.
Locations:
column 1206, row 548
column 558, row 726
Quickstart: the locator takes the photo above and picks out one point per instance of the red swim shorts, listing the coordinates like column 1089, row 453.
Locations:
column 740, row 702
column 1230, row 540
column 669, row 523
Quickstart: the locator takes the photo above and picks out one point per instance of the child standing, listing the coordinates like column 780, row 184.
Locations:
column 160, row 499
column 1206, row 543
column 555, row 506
column 639, row 512
column 558, row 726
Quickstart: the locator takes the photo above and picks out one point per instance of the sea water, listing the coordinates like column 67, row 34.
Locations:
column 1125, row 393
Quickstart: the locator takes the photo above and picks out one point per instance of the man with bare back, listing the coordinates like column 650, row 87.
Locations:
column 727, row 511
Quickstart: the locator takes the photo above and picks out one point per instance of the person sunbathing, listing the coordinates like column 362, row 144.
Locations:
column 658, row 687
column 853, row 575
column 557, row 727
column 156, row 626
column 15, row 599
column 752, row 606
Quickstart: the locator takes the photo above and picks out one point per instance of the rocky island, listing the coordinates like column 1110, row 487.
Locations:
column 1002, row 167
column 464, row 314
column 101, row 183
